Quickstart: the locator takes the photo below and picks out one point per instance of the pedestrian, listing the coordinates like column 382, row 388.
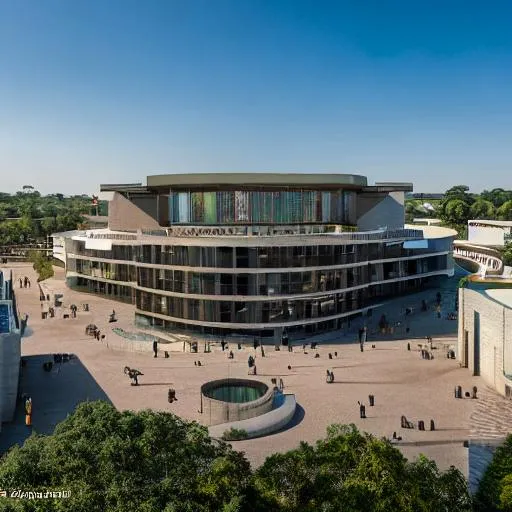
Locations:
column 155, row 348
column 21, row 283
column 362, row 410
column 28, row 281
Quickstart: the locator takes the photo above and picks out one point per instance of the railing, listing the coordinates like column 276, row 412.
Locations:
column 489, row 261
column 339, row 231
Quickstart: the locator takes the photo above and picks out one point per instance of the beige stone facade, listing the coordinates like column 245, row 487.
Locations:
column 485, row 338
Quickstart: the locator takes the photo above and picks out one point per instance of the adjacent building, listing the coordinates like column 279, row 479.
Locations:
column 493, row 233
column 10, row 347
column 485, row 335
column 256, row 255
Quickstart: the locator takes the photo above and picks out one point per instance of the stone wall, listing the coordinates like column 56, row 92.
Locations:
column 495, row 338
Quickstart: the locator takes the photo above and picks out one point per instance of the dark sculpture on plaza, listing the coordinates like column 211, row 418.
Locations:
column 133, row 374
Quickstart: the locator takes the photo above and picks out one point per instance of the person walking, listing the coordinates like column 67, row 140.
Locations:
column 155, row 348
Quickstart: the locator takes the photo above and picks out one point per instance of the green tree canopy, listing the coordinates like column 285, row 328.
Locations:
column 497, row 196
column 125, row 461
column 357, row 472
column 504, row 212
column 460, row 192
column 495, row 490
column 27, row 216
column 456, row 212
column 482, row 209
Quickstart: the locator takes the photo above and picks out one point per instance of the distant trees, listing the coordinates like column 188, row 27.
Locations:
column 482, row 209
column 459, row 205
column 27, row 216
column 504, row 212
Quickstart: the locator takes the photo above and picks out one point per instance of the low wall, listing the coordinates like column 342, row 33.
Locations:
column 118, row 342
column 217, row 411
column 263, row 425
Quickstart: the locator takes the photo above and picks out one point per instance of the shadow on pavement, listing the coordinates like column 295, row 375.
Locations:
column 54, row 394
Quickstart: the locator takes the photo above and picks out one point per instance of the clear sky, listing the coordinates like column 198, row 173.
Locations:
column 109, row 91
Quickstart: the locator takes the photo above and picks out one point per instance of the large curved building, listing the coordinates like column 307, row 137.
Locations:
column 259, row 255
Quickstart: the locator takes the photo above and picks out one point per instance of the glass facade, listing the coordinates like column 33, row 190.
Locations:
column 172, row 286
column 257, row 207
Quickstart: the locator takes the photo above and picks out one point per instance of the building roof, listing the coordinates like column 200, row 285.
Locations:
column 134, row 188
column 501, row 295
column 497, row 223
column 257, row 179
column 433, row 231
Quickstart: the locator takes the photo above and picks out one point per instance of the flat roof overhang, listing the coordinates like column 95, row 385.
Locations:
column 270, row 180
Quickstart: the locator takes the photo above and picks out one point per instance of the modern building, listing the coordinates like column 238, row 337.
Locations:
column 494, row 233
column 485, row 335
column 10, row 347
column 256, row 255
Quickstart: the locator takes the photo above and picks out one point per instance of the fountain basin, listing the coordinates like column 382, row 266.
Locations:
column 228, row 400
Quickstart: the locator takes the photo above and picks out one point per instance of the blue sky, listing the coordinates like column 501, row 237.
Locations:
column 110, row 91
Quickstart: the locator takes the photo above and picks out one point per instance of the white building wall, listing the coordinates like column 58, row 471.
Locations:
column 486, row 235
column 495, row 337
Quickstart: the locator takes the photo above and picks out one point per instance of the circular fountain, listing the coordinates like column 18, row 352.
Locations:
column 228, row 400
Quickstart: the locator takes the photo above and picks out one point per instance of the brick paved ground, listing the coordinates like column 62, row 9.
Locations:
column 401, row 381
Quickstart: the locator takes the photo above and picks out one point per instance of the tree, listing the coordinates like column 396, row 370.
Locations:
column 505, row 211
column 507, row 254
column 357, row 472
column 497, row 196
column 456, row 212
column 459, row 192
column 495, row 490
column 482, row 209
column 124, row 461
column 41, row 264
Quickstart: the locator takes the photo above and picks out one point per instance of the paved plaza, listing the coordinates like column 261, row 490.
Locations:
column 403, row 383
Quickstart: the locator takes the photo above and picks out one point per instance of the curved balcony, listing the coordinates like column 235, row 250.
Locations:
column 488, row 260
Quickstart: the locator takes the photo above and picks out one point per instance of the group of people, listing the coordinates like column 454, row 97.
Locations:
column 24, row 282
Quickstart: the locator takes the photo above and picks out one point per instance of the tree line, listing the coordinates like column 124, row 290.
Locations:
column 113, row 461
column 29, row 217
column 459, row 205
